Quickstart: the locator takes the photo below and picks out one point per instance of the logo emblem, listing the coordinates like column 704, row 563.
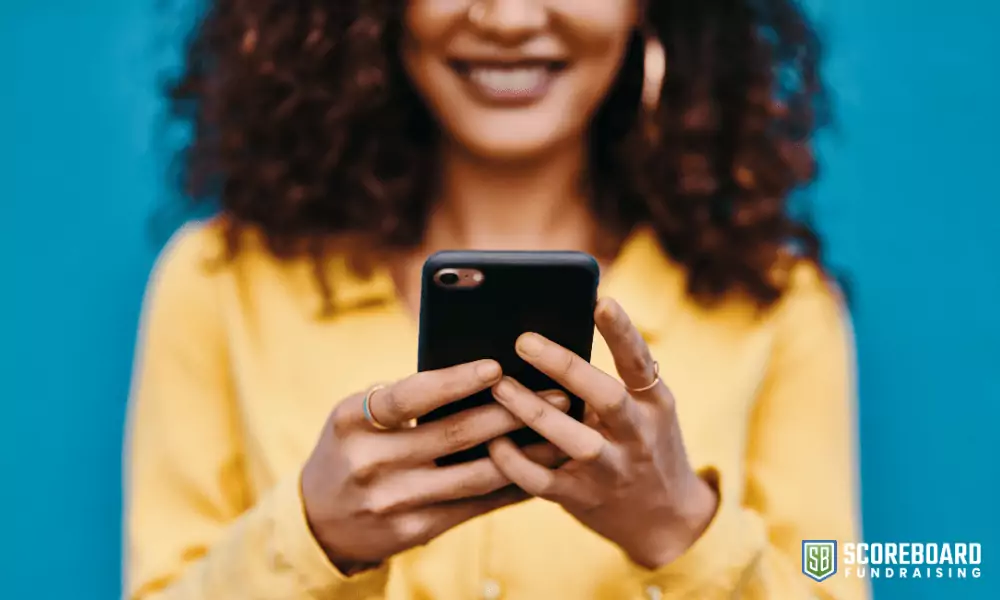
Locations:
column 819, row 559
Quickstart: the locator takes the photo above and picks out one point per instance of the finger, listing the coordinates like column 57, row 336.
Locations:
column 533, row 478
column 633, row 360
column 556, row 398
column 590, row 419
column 457, row 432
column 421, row 393
column 423, row 525
column 578, row 441
column 546, row 454
column 406, row 490
column 602, row 392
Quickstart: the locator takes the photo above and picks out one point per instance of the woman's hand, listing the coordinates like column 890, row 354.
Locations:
column 629, row 478
column 370, row 493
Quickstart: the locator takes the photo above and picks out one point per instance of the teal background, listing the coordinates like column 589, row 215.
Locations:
column 908, row 201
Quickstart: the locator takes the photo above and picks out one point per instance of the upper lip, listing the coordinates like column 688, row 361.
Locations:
column 465, row 62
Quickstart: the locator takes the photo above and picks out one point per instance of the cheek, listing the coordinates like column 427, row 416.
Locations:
column 427, row 24
column 599, row 31
column 599, row 48
column 597, row 66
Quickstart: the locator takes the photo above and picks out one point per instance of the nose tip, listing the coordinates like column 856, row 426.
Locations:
column 508, row 18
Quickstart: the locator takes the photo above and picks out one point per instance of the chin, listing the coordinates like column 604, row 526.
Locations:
column 509, row 151
column 502, row 146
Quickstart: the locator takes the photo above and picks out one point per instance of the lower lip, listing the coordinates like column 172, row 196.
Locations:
column 511, row 96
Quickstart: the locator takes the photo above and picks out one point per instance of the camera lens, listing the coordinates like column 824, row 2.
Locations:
column 449, row 278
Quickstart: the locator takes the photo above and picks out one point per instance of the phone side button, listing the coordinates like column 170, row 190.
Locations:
column 491, row 590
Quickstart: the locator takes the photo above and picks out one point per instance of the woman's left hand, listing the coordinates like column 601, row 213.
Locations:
column 628, row 477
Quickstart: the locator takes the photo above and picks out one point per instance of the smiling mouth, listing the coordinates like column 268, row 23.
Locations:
column 509, row 82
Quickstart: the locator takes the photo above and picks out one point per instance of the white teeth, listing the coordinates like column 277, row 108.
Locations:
column 509, row 80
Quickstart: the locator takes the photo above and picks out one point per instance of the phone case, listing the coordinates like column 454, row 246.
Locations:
column 550, row 293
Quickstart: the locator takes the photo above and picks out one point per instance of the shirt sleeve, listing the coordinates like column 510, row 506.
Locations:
column 192, row 529
column 801, row 470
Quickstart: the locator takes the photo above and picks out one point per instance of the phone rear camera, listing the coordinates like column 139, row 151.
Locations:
column 449, row 278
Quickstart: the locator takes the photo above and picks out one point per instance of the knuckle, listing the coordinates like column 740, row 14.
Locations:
column 392, row 404
column 626, row 475
column 567, row 364
column 381, row 504
column 482, row 483
column 413, row 527
column 537, row 415
column 619, row 406
column 592, row 452
column 497, row 420
column 456, row 433
column 341, row 421
column 362, row 472
column 547, row 489
column 589, row 455
column 589, row 502
column 363, row 466
column 639, row 361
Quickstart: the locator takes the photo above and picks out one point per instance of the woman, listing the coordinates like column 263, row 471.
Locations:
column 344, row 142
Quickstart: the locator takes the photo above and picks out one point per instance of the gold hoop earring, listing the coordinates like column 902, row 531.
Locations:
column 654, row 67
column 654, row 72
column 476, row 13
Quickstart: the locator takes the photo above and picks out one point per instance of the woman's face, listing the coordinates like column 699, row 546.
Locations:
column 510, row 79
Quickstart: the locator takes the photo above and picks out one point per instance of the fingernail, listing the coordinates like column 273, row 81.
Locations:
column 529, row 344
column 488, row 370
column 606, row 309
column 557, row 399
column 504, row 388
column 554, row 396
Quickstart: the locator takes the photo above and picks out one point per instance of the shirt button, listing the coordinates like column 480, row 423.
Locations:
column 654, row 593
column 491, row 590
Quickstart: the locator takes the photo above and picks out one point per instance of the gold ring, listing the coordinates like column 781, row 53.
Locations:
column 476, row 12
column 646, row 388
column 367, row 408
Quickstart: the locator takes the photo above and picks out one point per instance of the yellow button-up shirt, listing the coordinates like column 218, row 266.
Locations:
column 236, row 374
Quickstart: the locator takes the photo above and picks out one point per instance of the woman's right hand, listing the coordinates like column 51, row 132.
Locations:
column 370, row 493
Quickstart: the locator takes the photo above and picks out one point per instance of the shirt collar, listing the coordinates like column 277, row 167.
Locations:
column 642, row 279
column 351, row 291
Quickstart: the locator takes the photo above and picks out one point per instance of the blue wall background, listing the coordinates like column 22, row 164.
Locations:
column 908, row 201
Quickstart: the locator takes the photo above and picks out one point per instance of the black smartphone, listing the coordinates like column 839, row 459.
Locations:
column 475, row 304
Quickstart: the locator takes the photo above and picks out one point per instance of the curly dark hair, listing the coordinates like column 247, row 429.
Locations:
column 306, row 128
